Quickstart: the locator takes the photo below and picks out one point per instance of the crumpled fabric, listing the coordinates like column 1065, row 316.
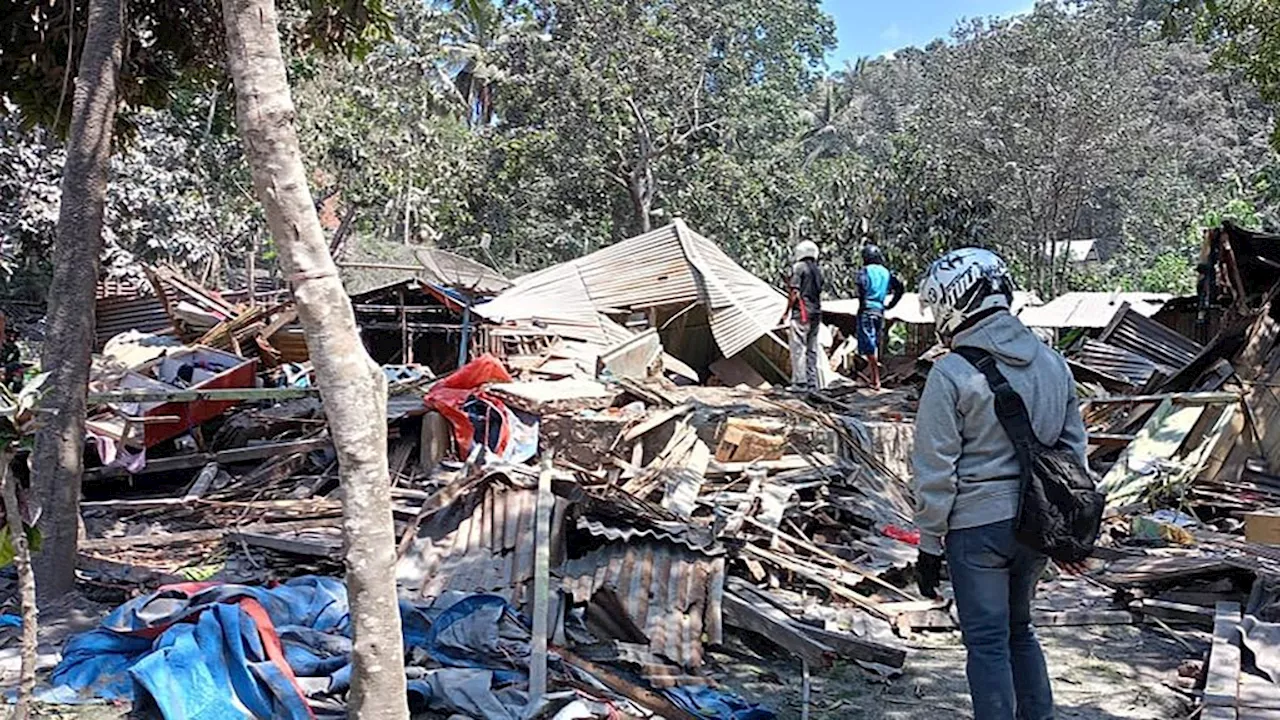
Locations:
column 205, row 651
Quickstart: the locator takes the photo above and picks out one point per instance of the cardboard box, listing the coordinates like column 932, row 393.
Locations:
column 1263, row 526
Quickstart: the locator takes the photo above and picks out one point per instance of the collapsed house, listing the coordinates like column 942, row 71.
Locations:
column 708, row 311
column 672, row 515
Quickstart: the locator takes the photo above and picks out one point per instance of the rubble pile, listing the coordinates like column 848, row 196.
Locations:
column 677, row 500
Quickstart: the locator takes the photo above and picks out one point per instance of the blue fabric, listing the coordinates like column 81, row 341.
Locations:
column 716, row 704
column 875, row 287
column 870, row 327
column 994, row 578
column 197, row 655
column 10, row 621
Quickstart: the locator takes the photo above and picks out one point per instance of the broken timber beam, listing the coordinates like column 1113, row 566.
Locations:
column 219, row 395
column 224, row 457
column 641, row 696
column 1222, row 681
column 777, row 627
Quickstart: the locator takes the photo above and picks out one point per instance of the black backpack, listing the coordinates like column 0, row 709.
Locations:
column 1060, row 509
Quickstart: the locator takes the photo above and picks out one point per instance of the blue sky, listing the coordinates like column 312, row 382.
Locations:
column 875, row 27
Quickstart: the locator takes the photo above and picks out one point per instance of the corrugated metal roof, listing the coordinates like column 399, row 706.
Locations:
column 671, row 532
column 669, row 592
column 460, row 273
column 123, row 307
column 1090, row 309
column 910, row 311
column 1133, row 330
column 1116, row 363
column 482, row 543
column 668, row 266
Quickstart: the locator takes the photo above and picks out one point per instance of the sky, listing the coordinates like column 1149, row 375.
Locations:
column 876, row 27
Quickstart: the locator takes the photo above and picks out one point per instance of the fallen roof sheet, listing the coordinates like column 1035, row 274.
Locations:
column 383, row 264
column 670, row 266
column 1132, row 330
column 1091, row 309
column 910, row 311
column 671, row 593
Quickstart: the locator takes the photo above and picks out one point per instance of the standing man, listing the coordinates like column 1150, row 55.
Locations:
column 878, row 290
column 804, row 309
column 968, row 478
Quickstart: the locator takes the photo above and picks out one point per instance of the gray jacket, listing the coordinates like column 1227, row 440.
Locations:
column 966, row 472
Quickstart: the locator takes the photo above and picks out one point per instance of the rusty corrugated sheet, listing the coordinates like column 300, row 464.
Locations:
column 671, row 593
column 483, row 543
column 1131, row 330
column 121, row 307
column 1116, row 363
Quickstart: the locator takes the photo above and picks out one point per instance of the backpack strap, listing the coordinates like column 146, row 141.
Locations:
column 1009, row 407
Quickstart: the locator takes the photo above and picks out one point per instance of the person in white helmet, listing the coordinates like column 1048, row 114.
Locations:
column 804, row 309
column 967, row 478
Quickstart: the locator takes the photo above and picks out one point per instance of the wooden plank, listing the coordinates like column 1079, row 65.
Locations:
column 225, row 457
column 217, row 395
column 641, row 696
column 201, row 484
column 777, row 627
column 1196, row 398
column 787, row 462
column 1222, row 684
column 657, row 420
column 834, row 586
column 1180, row 612
column 848, row 645
column 293, row 546
column 541, row 588
column 942, row 620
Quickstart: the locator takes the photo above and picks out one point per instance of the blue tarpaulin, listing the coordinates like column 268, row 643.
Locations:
column 204, row 651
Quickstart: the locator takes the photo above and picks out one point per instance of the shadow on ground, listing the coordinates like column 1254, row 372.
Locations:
column 1119, row 672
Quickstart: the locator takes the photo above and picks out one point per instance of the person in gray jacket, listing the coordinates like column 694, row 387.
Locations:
column 967, row 479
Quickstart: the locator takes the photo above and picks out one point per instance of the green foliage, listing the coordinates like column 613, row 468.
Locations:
column 1171, row 273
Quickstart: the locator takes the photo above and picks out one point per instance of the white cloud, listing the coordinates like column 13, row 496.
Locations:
column 893, row 33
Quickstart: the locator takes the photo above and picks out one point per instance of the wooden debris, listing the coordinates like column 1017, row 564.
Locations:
column 777, row 627
column 1222, row 683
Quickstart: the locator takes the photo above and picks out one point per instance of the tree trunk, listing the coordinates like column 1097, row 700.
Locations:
column 352, row 387
column 26, row 586
column 59, row 451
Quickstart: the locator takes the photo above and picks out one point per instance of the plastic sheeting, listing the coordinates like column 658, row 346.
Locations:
column 204, row 651
column 480, row 418
column 200, row 651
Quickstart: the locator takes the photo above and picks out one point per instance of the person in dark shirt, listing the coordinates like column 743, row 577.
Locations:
column 804, row 310
column 878, row 291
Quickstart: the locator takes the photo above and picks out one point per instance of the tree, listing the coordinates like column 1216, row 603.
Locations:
column 626, row 101
column 18, row 411
column 352, row 386
column 1245, row 35
column 59, row 451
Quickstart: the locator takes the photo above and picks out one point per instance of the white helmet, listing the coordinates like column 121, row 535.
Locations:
column 806, row 250
column 962, row 284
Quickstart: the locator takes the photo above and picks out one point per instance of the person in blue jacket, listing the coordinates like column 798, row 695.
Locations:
column 878, row 291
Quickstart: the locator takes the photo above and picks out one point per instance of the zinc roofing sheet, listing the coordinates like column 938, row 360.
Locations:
column 1090, row 309
column 671, row 593
column 669, row 266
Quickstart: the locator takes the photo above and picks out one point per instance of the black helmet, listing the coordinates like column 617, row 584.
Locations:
column 871, row 255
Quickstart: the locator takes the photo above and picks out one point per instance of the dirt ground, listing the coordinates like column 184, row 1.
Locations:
column 1099, row 673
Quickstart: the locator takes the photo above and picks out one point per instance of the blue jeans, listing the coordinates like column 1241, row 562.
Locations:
column 994, row 578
